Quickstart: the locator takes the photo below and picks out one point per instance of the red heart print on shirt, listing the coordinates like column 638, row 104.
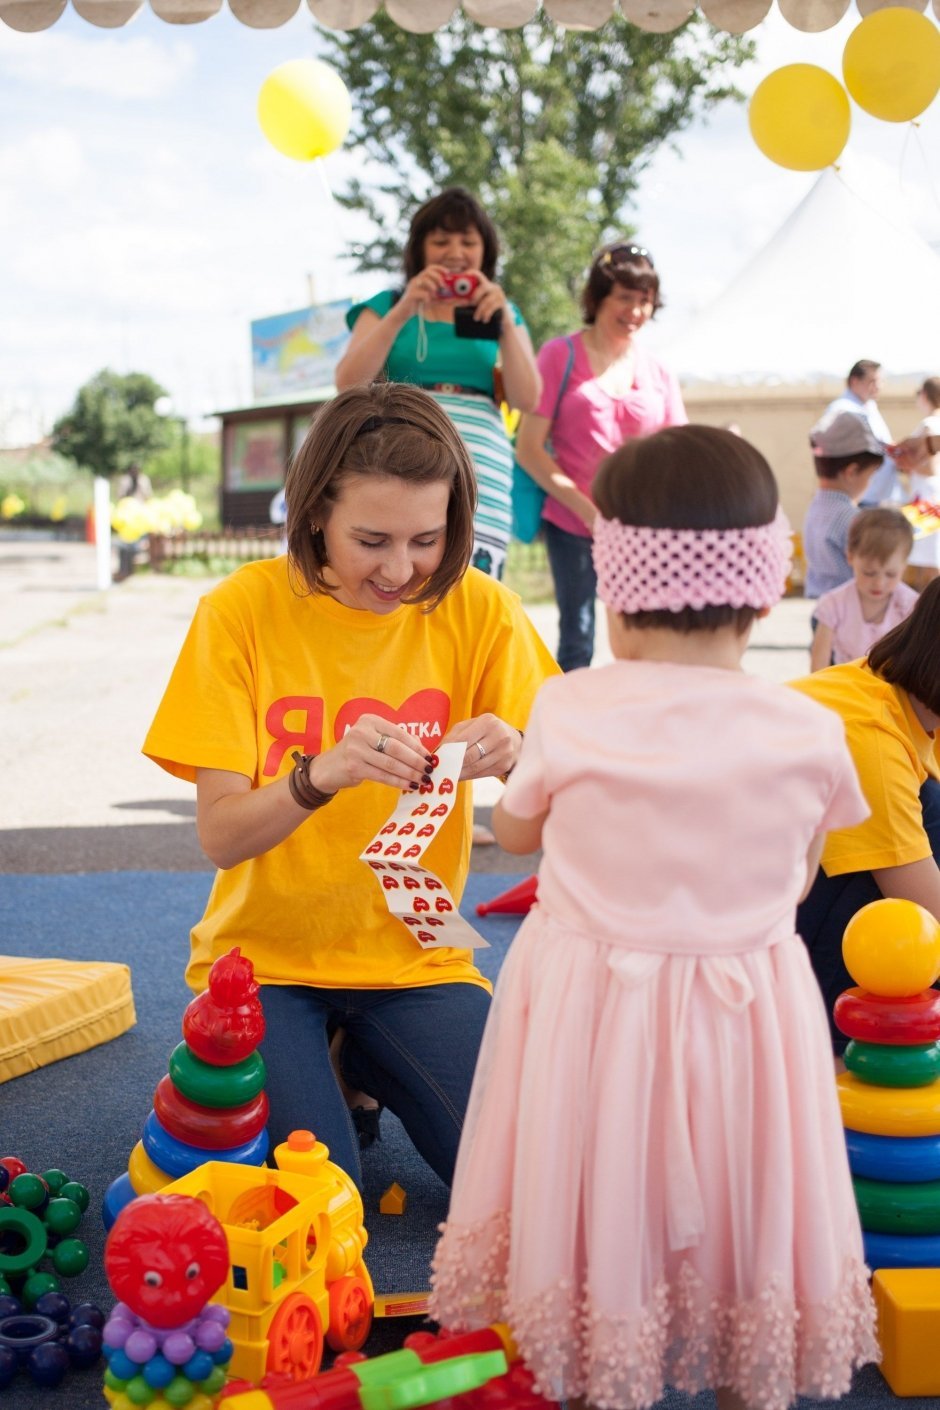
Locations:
column 424, row 714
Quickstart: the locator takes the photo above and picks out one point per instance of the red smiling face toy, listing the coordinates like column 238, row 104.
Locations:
column 165, row 1257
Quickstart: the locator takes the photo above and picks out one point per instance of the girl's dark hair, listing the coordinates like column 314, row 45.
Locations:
column 379, row 428
column 909, row 655
column 620, row 262
column 688, row 477
column 453, row 209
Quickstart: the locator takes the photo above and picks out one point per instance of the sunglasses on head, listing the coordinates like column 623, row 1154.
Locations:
column 624, row 254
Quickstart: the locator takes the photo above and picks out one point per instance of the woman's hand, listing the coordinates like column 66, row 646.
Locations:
column 402, row 762
column 492, row 746
column 418, row 291
column 488, row 298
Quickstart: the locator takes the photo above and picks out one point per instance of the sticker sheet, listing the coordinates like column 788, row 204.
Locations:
column 415, row 895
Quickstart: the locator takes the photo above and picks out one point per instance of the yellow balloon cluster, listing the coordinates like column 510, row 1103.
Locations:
column 799, row 115
column 131, row 518
column 304, row 109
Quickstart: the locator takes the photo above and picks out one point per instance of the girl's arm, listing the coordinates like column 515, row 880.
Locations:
column 917, row 881
column 235, row 821
column 812, row 863
column 517, row 835
column 820, row 653
column 533, row 457
column 373, row 337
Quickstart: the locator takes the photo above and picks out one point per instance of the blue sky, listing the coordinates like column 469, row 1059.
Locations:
column 144, row 219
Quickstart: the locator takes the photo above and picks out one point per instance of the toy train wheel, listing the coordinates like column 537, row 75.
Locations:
column 350, row 1314
column 295, row 1339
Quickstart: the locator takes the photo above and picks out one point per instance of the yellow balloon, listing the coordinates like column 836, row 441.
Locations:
column 891, row 64
column 800, row 117
column 892, row 948
column 304, row 109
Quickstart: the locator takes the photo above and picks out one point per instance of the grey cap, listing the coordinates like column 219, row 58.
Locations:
column 847, row 433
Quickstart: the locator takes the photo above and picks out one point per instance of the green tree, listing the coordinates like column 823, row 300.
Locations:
column 551, row 128
column 112, row 423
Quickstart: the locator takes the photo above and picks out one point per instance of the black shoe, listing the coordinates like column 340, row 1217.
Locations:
column 366, row 1121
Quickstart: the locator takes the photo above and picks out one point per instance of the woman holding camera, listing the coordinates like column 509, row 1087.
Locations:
column 446, row 331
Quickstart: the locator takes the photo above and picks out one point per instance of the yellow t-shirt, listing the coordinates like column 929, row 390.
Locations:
column 264, row 671
column 893, row 755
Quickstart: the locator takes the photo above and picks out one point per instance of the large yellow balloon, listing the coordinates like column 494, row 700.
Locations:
column 892, row 948
column 800, row 117
column 891, row 64
column 304, row 109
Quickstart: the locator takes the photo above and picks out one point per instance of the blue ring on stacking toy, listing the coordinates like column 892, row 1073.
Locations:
column 902, row 1250
column 176, row 1159
column 905, row 1159
column 119, row 1193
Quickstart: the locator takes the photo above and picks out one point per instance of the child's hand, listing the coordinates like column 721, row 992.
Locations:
column 492, row 746
column 402, row 761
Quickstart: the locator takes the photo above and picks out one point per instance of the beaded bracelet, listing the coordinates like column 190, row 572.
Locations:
column 301, row 789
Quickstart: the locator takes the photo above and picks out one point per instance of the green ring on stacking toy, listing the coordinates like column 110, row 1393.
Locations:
column 216, row 1086
column 916, row 1065
column 888, row 1208
column 33, row 1232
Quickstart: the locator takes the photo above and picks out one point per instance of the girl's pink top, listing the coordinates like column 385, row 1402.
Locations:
column 852, row 636
column 591, row 422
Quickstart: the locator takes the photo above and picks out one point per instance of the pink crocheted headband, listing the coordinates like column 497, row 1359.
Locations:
column 665, row 570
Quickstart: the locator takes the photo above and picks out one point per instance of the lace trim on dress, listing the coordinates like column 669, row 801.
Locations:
column 769, row 1349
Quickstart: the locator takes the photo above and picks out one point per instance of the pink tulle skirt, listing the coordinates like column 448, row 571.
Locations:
column 652, row 1186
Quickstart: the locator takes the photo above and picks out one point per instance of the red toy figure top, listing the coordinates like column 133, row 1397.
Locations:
column 226, row 1022
column 165, row 1257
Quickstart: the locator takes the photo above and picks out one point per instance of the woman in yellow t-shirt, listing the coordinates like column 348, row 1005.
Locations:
column 311, row 691
column 890, row 705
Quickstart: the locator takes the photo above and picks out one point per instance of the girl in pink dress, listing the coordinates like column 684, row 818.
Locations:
column 652, row 1186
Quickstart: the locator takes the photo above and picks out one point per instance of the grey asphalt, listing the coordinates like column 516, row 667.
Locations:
column 81, row 673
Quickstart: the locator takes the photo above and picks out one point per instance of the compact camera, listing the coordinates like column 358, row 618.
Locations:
column 461, row 285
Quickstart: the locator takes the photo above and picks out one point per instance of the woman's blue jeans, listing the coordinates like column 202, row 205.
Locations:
column 569, row 557
column 414, row 1050
column 834, row 900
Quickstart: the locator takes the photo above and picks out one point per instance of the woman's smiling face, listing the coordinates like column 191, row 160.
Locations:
column 384, row 537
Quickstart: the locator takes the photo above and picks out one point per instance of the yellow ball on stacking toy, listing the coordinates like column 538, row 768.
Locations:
column 892, row 948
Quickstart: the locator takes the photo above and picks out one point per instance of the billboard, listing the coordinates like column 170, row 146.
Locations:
column 297, row 351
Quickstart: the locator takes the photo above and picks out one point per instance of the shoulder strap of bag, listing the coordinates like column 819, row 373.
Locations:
column 567, row 373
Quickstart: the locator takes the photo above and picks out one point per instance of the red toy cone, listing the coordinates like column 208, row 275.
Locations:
column 517, row 901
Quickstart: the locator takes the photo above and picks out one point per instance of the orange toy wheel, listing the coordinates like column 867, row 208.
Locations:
column 295, row 1339
column 350, row 1314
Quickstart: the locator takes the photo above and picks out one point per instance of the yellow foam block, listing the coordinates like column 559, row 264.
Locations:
column 908, row 1303
column 52, row 1009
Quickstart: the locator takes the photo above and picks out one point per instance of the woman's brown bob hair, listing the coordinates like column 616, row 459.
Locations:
column 388, row 429
column 909, row 655
column 620, row 262
column 688, row 477
column 454, row 209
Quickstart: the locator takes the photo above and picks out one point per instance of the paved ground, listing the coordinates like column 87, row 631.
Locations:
column 81, row 673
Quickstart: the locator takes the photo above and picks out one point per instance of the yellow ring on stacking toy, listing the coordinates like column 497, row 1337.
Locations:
column 146, row 1178
column 889, row 1111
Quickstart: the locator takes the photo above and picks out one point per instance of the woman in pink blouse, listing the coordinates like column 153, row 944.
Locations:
column 600, row 387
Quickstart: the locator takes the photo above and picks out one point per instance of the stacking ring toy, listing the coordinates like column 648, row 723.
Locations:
column 888, row 1065
column 176, row 1158
column 119, row 1193
column 886, row 1208
column 31, row 1230
column 892, row 947
column 902, row 1158
column 889, row 1111
column 213, row 1127
column 145, row 1177
column 874, row 1019
column 902, row 1250
column 216, row 1086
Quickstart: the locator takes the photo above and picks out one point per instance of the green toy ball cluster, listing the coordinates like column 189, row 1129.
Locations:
column 38, row 1218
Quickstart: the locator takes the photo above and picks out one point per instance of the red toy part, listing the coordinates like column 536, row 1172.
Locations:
column 208, row 1127
column 874, row 1019
column 517, row 901
column 225, row 1024
column 165, row 1256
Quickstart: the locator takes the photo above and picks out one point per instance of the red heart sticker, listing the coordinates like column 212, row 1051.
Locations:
column 377, row 866
column 412, row 883
column 390, row 883
column 420, row 810
column 406, row 828
column 425, row 938
column 433, row 920
column 393, row 849
column 439, row 811
column 421, row 904
column 413, row 920
column 412, row 851
column 427, row 831
column 397, row 866
column 442, row 904
column 446, row 785
column 426, row 788
column 389, row 827
column 376, row 847
column 432, row 883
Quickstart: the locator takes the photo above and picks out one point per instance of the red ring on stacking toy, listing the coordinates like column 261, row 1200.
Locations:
column 212, row 1128
column 874, row 1019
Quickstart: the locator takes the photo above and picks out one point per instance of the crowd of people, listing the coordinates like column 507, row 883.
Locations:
column 649, row 1174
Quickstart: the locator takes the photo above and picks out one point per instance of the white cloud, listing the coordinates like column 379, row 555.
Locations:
column 121, row 67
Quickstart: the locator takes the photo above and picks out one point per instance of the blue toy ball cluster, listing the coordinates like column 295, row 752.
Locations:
column 48, row 1341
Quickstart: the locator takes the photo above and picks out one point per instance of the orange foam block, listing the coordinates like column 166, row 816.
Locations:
column 394, row 1200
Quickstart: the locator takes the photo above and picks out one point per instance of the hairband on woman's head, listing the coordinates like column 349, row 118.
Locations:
column 665, row 570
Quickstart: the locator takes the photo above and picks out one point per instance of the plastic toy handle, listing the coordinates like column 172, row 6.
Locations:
column 438, row 1381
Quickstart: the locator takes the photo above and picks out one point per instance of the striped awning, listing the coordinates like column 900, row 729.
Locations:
column 424, row 16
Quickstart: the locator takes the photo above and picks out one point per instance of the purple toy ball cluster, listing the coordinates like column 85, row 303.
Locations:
column 194, row 1354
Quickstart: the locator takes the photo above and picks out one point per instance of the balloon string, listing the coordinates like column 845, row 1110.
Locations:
column 324, row 181
column 918, row 141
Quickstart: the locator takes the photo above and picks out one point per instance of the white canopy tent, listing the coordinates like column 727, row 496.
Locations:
column 844, row 277
column 425, row 16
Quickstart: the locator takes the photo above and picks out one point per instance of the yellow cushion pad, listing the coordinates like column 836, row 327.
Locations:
column 52, row 1009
